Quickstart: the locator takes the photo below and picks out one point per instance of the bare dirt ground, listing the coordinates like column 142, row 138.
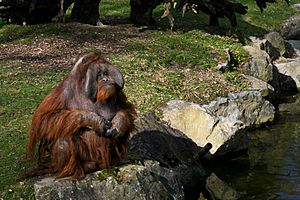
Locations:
column 63, row 49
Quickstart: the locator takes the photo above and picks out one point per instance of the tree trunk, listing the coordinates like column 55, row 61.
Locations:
column 141, row 11
column 31, row 11
column 86, row 11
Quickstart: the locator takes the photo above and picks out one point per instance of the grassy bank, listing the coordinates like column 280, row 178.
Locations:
column 158, row 65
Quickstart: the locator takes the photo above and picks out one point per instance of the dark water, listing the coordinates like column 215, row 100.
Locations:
column 271, row 170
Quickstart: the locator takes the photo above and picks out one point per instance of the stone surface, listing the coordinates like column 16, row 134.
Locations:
column 223, row 122
column 296, row 45
column 274, row 45
column 265, row 89
column 288, row 72
column 290, row 28
column 291, row 69
column 190, row 118
column 220, row 190
column 171, row 148
column 283, row 84
column 290, row 51
column 281, row 77
column 260, row 64
column 128, row 182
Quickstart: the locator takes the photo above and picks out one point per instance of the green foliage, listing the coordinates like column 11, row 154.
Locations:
column 2, row 22
column 105, row 173
column 235, row 79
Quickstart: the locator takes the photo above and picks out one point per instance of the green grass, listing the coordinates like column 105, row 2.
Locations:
column 193, row 47
column 115, row 8
column 21, row 91
column 269, row 19
column 158, row 66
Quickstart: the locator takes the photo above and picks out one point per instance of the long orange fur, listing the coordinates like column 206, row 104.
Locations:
column 71, row 136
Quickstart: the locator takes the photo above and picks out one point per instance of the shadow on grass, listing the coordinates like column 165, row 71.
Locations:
column 72, row 31
column 200, row 21
column 117, row 25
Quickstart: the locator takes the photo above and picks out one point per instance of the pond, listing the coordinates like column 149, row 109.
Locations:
column 271, row 168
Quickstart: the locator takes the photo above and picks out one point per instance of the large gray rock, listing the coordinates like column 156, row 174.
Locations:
column 260, row 64
column 290, row 51
column 287, row 74
column 128, row 182
column 265, row 89
column 290, row 28
column 170, row 167
column 193, row 120
column 280, row 78
column 283, row 83
column 171, row 148
column 274, row 45
column 223, row 122
column 295, row 45
column 292, row 70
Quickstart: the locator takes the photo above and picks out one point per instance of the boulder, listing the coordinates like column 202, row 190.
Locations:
column 290, row 51
column 127, row 182
column 283, row 83
column 154, row 140
column 292, row 70
column 260, row 64
column 276, row 79
column 265, row 89
column 275, row 45
column 290, row 28
column 141, row 11
column 162, row 164
column 287, row 74
column 223, row 122
column 192, row 119
column 295, row 45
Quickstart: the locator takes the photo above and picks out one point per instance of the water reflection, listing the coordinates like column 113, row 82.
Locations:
column 271, row 170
